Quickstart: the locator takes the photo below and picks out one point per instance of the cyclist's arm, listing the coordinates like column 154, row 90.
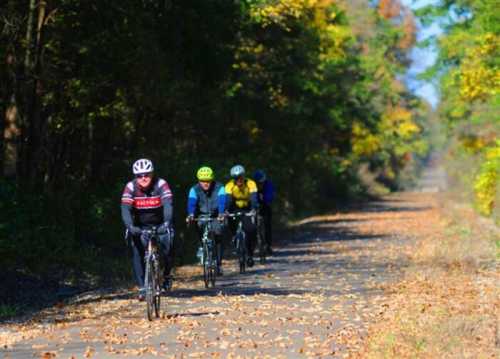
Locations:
column 166, row 201
column 192, row 202
column 254, row 196
column 254, row 200
column 167, row 210
column 221, row 200
column 126, row 205
column 127, row 215
column 229, row 195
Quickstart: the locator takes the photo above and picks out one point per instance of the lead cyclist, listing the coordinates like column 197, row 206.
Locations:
column 147, row 202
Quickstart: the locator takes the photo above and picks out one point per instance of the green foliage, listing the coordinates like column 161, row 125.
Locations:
column 7, row 311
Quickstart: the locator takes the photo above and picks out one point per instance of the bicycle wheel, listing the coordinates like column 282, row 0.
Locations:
column 149, row 285
column 206, row 265
column 213, row 262
column 241, row 247
column 157, row 288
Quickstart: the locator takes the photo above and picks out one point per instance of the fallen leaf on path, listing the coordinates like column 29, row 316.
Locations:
column 89, row 352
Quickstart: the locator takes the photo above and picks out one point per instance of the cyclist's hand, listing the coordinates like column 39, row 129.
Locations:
column 253, row 212
column 135, row 230
column 221, row 217
column 190, row 219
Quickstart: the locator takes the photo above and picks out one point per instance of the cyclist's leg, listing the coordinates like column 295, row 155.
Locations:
column 251, row 230
column 231, row 229
column 199, row 235
column 167, row 251
column 267, row 214
column 138, row 251
column 219, row 241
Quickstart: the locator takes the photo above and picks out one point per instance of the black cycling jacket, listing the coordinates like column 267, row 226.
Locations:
column 143, row 207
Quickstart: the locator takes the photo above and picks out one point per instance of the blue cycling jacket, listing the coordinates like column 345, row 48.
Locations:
column 210, row 202
column 266, row 193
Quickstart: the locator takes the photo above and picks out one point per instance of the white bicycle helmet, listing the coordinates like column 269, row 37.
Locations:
column 237, row 171
column 142, row 165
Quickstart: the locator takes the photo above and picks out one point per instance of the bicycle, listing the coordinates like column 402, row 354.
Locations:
column 209, row 256
column 240, row 239
column 152, row 273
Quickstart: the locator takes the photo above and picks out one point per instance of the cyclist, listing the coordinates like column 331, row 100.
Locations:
column 265, row 190
column 208, row 197
column 241, row 195
column 147, row 202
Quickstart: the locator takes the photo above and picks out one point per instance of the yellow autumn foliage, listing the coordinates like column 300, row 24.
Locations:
column 473, row 144
column 487, row 181
column 364, row 142
column 334, row 39
column 319, row 16
column 478, row 80
column 278, row 12
column 333, row 36
column 397, row 132
column 399, row 121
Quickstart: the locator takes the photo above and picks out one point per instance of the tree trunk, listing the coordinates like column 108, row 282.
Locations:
column 32, row 122
column 26, row 80
column 9, row 89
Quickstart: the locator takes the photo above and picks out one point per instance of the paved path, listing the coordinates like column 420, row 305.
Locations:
column 314, row 298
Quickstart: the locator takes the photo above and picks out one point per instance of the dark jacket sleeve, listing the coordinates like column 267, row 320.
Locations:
column 166, row 200
column 127, row 215
column 167, row 209
column 254, row 200
column 126, row 205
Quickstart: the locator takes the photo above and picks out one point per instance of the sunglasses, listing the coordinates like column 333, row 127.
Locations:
column 143, row 175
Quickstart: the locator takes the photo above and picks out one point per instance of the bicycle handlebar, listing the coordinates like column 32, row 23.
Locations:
column 204, row 218
column 241, row 213
column 150, row 230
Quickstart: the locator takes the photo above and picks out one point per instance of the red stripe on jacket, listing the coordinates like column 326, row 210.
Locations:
column 147, row 202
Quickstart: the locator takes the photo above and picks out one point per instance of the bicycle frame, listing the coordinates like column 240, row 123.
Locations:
column 152, row 273
column 210, row 265
column 240, row 239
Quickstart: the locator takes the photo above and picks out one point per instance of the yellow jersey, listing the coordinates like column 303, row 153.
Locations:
column 241, row 196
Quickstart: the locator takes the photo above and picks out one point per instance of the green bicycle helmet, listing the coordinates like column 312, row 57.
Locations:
column 205, row 174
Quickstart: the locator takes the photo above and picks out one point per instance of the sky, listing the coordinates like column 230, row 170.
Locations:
column 422, row 58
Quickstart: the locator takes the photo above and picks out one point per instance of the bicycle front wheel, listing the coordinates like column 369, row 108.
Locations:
column 150, row 285
column 213, row 263
column 206, row 265
column 157, row 288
